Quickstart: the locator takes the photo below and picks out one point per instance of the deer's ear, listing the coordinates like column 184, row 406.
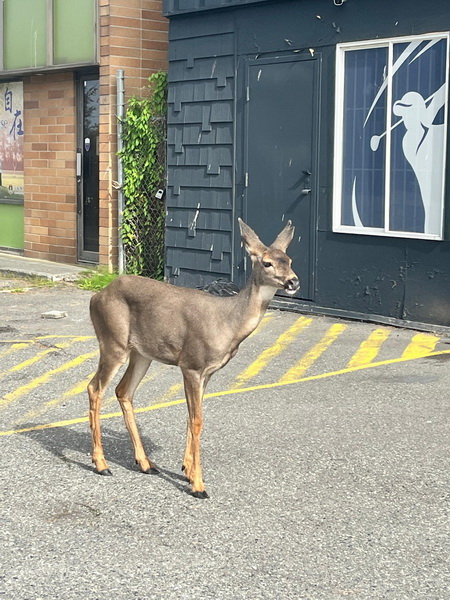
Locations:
column 284, row 238
column 251, row 241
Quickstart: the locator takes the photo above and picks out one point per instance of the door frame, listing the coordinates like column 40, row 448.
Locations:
column 82, row 255
column 242, row 189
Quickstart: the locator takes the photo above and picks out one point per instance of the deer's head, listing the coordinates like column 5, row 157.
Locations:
column 271, row 264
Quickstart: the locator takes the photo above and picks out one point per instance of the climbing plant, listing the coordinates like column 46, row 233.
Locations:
column 144, row 172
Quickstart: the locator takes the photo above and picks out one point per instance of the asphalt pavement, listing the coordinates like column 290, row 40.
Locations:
column 325, row 455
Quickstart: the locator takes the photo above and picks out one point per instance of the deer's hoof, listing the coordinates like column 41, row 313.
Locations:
column 105, row 472
column 151, row 471
column 200, row 494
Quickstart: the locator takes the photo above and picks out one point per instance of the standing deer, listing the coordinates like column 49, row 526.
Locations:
column 141, row 320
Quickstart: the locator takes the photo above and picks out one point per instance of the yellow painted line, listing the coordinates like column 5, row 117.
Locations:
column 37, row 357
column 231, row 392
column 79, row 388
column 370, row 348
column 284, row 340
column 420, row 345
column 24, row 389
column 15, row 348
column 316, row 351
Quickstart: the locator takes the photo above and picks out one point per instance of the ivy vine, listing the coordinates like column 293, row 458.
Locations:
column 144, row 168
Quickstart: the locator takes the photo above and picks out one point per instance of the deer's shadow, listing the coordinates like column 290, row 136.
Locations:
column 63, row 441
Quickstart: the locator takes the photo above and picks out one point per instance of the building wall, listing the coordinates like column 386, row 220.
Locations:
column 49, row 167
column 388, row 277
column 133, row 37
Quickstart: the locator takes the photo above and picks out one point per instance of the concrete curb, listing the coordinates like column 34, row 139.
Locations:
column 20, row 266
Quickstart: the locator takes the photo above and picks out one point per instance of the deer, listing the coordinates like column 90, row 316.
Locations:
column 139, row 320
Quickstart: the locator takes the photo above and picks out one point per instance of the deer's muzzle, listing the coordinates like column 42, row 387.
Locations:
column 292, row 285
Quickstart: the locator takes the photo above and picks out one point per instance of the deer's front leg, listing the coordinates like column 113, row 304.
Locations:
column 194, row 387
column 107, row 368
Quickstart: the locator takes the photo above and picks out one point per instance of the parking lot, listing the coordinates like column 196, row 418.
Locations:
column 325, row 453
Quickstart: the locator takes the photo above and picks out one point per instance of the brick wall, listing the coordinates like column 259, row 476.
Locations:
column 133, row 37
column 49, row 167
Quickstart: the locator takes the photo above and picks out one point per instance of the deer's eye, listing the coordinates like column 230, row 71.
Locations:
column 267, row 264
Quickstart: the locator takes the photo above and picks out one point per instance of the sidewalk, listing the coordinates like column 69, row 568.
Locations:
column 12, row 264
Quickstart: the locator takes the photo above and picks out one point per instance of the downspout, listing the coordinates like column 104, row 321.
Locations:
column 120, row 195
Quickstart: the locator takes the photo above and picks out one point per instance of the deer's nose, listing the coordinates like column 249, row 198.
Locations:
column 292, row 285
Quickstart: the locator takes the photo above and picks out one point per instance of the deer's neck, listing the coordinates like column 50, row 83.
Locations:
column 251, row 304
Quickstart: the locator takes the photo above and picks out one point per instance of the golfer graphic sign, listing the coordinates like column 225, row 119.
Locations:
column 391, row 137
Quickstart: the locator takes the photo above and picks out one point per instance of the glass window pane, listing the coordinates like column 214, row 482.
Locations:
column 25, row 33
column 419, row 100
column 74, row 31
column 364, row 123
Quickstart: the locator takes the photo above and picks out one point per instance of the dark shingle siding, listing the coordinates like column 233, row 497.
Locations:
column 183, row 69
column 207, row 198
column 200, row 159
column 184, row 259
column 211, row 220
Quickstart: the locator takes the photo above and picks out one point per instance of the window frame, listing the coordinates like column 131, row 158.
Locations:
column 337, row 196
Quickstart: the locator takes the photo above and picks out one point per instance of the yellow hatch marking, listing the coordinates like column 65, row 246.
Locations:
column 284, row 340
column 34, row 383
column 14, row 348
column 266, row 386
column 316, row 351
column 370, row 348
column 421, row 344
column 37, row 357
column 79, row 388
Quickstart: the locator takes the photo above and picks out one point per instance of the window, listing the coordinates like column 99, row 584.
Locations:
column 41, row 34
column 390, row 137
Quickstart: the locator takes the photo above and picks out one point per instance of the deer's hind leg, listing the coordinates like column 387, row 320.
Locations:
column 107, row 368
column 136, row 370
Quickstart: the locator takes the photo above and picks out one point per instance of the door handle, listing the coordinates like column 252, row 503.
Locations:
column 307, row 183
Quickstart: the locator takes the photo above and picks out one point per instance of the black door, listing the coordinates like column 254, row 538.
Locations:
column 281, row 183
column 88, row 169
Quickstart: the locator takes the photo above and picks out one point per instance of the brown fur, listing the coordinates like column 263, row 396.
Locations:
column 140, row 320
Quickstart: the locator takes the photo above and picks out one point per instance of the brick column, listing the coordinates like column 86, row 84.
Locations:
column 133, row 37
